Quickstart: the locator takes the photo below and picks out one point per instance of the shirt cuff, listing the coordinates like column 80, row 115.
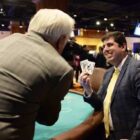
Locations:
column 87, row 94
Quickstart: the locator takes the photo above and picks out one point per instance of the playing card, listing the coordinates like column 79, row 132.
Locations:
column 90, row 67
column 83, row 65
column 87, row 66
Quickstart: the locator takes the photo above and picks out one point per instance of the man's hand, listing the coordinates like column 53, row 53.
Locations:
column 84, row 80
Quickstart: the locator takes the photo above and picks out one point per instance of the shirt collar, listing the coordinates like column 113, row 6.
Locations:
column 121, row 64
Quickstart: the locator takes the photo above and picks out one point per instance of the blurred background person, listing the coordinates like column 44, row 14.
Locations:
column 100, row 60
column 77, row 67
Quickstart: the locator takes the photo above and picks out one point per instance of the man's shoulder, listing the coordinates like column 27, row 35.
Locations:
column 134, row 62
column 12, row 36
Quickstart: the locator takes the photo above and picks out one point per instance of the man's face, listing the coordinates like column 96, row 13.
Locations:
column 112, row 51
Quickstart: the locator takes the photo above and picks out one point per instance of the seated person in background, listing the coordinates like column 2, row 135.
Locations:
column 100, row 60
column 77, row 67
column 34, row 78
column 119, row 94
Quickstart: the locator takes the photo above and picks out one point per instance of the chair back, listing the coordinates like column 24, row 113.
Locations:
column 97, row 78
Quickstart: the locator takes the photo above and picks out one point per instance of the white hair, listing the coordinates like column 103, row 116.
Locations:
column 51, row 24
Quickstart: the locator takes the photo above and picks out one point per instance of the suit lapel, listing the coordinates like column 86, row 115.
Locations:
column 107, row 80
column 124, row 67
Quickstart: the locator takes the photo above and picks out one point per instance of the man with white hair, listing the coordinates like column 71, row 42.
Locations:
column 34, row 78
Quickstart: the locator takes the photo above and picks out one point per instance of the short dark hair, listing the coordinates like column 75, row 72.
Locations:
column 118, row 37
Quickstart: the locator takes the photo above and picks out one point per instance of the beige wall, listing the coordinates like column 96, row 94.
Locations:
column 89, row 41
column 97, row 41
column 131, row 40
column 86, row 40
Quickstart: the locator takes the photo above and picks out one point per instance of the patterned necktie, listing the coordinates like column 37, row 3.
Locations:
column 107, row 100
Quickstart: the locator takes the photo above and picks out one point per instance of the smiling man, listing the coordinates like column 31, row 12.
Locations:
column 114, row 48
column 119, row 94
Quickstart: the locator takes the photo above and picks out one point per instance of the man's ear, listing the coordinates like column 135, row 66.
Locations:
column 61, row 42
column 124, row 47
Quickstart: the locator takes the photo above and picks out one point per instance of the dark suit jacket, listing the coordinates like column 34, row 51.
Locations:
column 125, row 104
column 33, row 80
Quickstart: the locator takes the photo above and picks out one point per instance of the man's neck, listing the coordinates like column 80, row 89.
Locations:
column 119, row 66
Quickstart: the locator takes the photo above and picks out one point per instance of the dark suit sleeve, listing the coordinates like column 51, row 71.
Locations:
column 136, row 132
column 49, row 110
column 94, row 101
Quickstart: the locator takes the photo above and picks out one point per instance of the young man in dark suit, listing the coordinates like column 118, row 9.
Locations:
column 119, row 94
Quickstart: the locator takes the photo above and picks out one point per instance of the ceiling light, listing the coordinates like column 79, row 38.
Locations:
column 2, row 25
column 112, row 24
column 98, row 22
column 75, row 15
column 1, row 10
column 105, row 19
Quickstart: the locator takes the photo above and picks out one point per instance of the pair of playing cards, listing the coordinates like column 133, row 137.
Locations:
column 87, row 66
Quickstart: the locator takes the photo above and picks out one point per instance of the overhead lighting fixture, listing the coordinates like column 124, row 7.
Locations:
column 112, row 24
column 1, row 10
column 105, row 19
column 2, row 25
column 98, row 23
column 75, row 15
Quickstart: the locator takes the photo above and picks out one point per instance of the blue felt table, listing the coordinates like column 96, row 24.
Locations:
column 74, row 111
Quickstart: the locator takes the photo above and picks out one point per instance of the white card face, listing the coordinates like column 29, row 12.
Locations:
column 87, row 66
column 83, row 65
column 90, row 67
